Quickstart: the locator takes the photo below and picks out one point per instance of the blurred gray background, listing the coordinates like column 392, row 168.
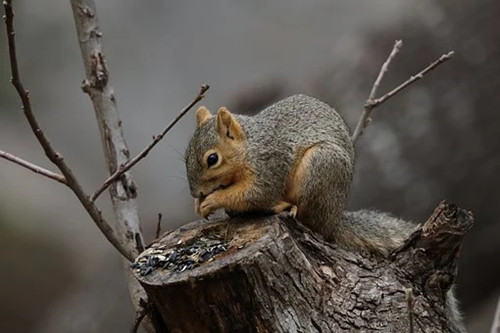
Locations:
column 438, row 140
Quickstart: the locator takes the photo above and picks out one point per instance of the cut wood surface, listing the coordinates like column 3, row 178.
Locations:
column 270, row 274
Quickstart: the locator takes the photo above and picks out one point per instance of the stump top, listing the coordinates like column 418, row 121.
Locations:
column 203, row 247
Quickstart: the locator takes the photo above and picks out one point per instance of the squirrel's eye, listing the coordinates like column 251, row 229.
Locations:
column 212, row 159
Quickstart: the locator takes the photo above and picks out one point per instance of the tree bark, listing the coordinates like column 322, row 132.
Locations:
column 97, row 85
column 274, row 275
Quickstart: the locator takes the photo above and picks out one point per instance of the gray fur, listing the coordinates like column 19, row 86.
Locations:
column 378, row 230
column 453, row 312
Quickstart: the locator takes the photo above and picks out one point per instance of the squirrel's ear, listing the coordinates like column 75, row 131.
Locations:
column 228, row 126
column 202, row 116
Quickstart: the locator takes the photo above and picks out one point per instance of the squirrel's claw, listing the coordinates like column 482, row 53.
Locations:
column 197, row 206
column 201, row 209
column 207, row 205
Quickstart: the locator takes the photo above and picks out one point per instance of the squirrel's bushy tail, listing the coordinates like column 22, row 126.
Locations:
column 375, row 231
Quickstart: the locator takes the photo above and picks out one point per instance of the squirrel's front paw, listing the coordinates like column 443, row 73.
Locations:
column 207, row 205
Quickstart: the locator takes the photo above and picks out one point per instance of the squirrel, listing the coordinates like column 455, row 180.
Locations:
column 295, row 155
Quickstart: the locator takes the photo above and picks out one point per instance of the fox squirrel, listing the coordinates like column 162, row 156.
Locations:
column 295, row 155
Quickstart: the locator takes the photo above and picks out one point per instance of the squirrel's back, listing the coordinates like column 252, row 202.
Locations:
column 277, row 140
column 297, row 121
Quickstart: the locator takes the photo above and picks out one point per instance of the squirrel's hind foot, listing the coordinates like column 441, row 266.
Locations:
column 285, row 206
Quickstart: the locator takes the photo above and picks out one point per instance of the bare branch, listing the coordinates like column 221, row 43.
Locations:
column 364, row 120
column 145, row 308
column 124, row 168
column 158, row 226
column 495, row 326
column 33, row 167
column 137, row 322
column 385, row 67
column 54, row 156
column 372, row 102
column 22, row 92
column 412, row 79
column 97, row 85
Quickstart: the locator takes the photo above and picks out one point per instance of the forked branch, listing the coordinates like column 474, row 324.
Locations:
column 52, row 154
column 385, row 67
column 372, row 102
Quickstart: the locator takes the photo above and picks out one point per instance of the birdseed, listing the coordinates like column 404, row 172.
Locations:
column 181, row 257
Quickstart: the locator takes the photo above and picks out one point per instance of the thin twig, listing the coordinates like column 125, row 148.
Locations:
column 158, row 226
column 495, row 326
column 373, row 102
column 33, row 167
column 413, row 78
column 23, row 93
column 385, row 67
column 137, row 322
column 362, row 123
column 145, row 309
column 53, row 155
column 410, row 304
column 124, row 168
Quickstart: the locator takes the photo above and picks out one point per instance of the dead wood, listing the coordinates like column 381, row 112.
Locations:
column 273, row 275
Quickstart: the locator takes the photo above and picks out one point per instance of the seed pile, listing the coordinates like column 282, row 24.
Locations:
column 180, row 258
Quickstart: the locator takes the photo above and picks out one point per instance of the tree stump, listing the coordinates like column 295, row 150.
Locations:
column 271, row 274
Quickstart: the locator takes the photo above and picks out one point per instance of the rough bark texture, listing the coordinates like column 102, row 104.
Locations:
column 276, row 276
column 97, row 86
